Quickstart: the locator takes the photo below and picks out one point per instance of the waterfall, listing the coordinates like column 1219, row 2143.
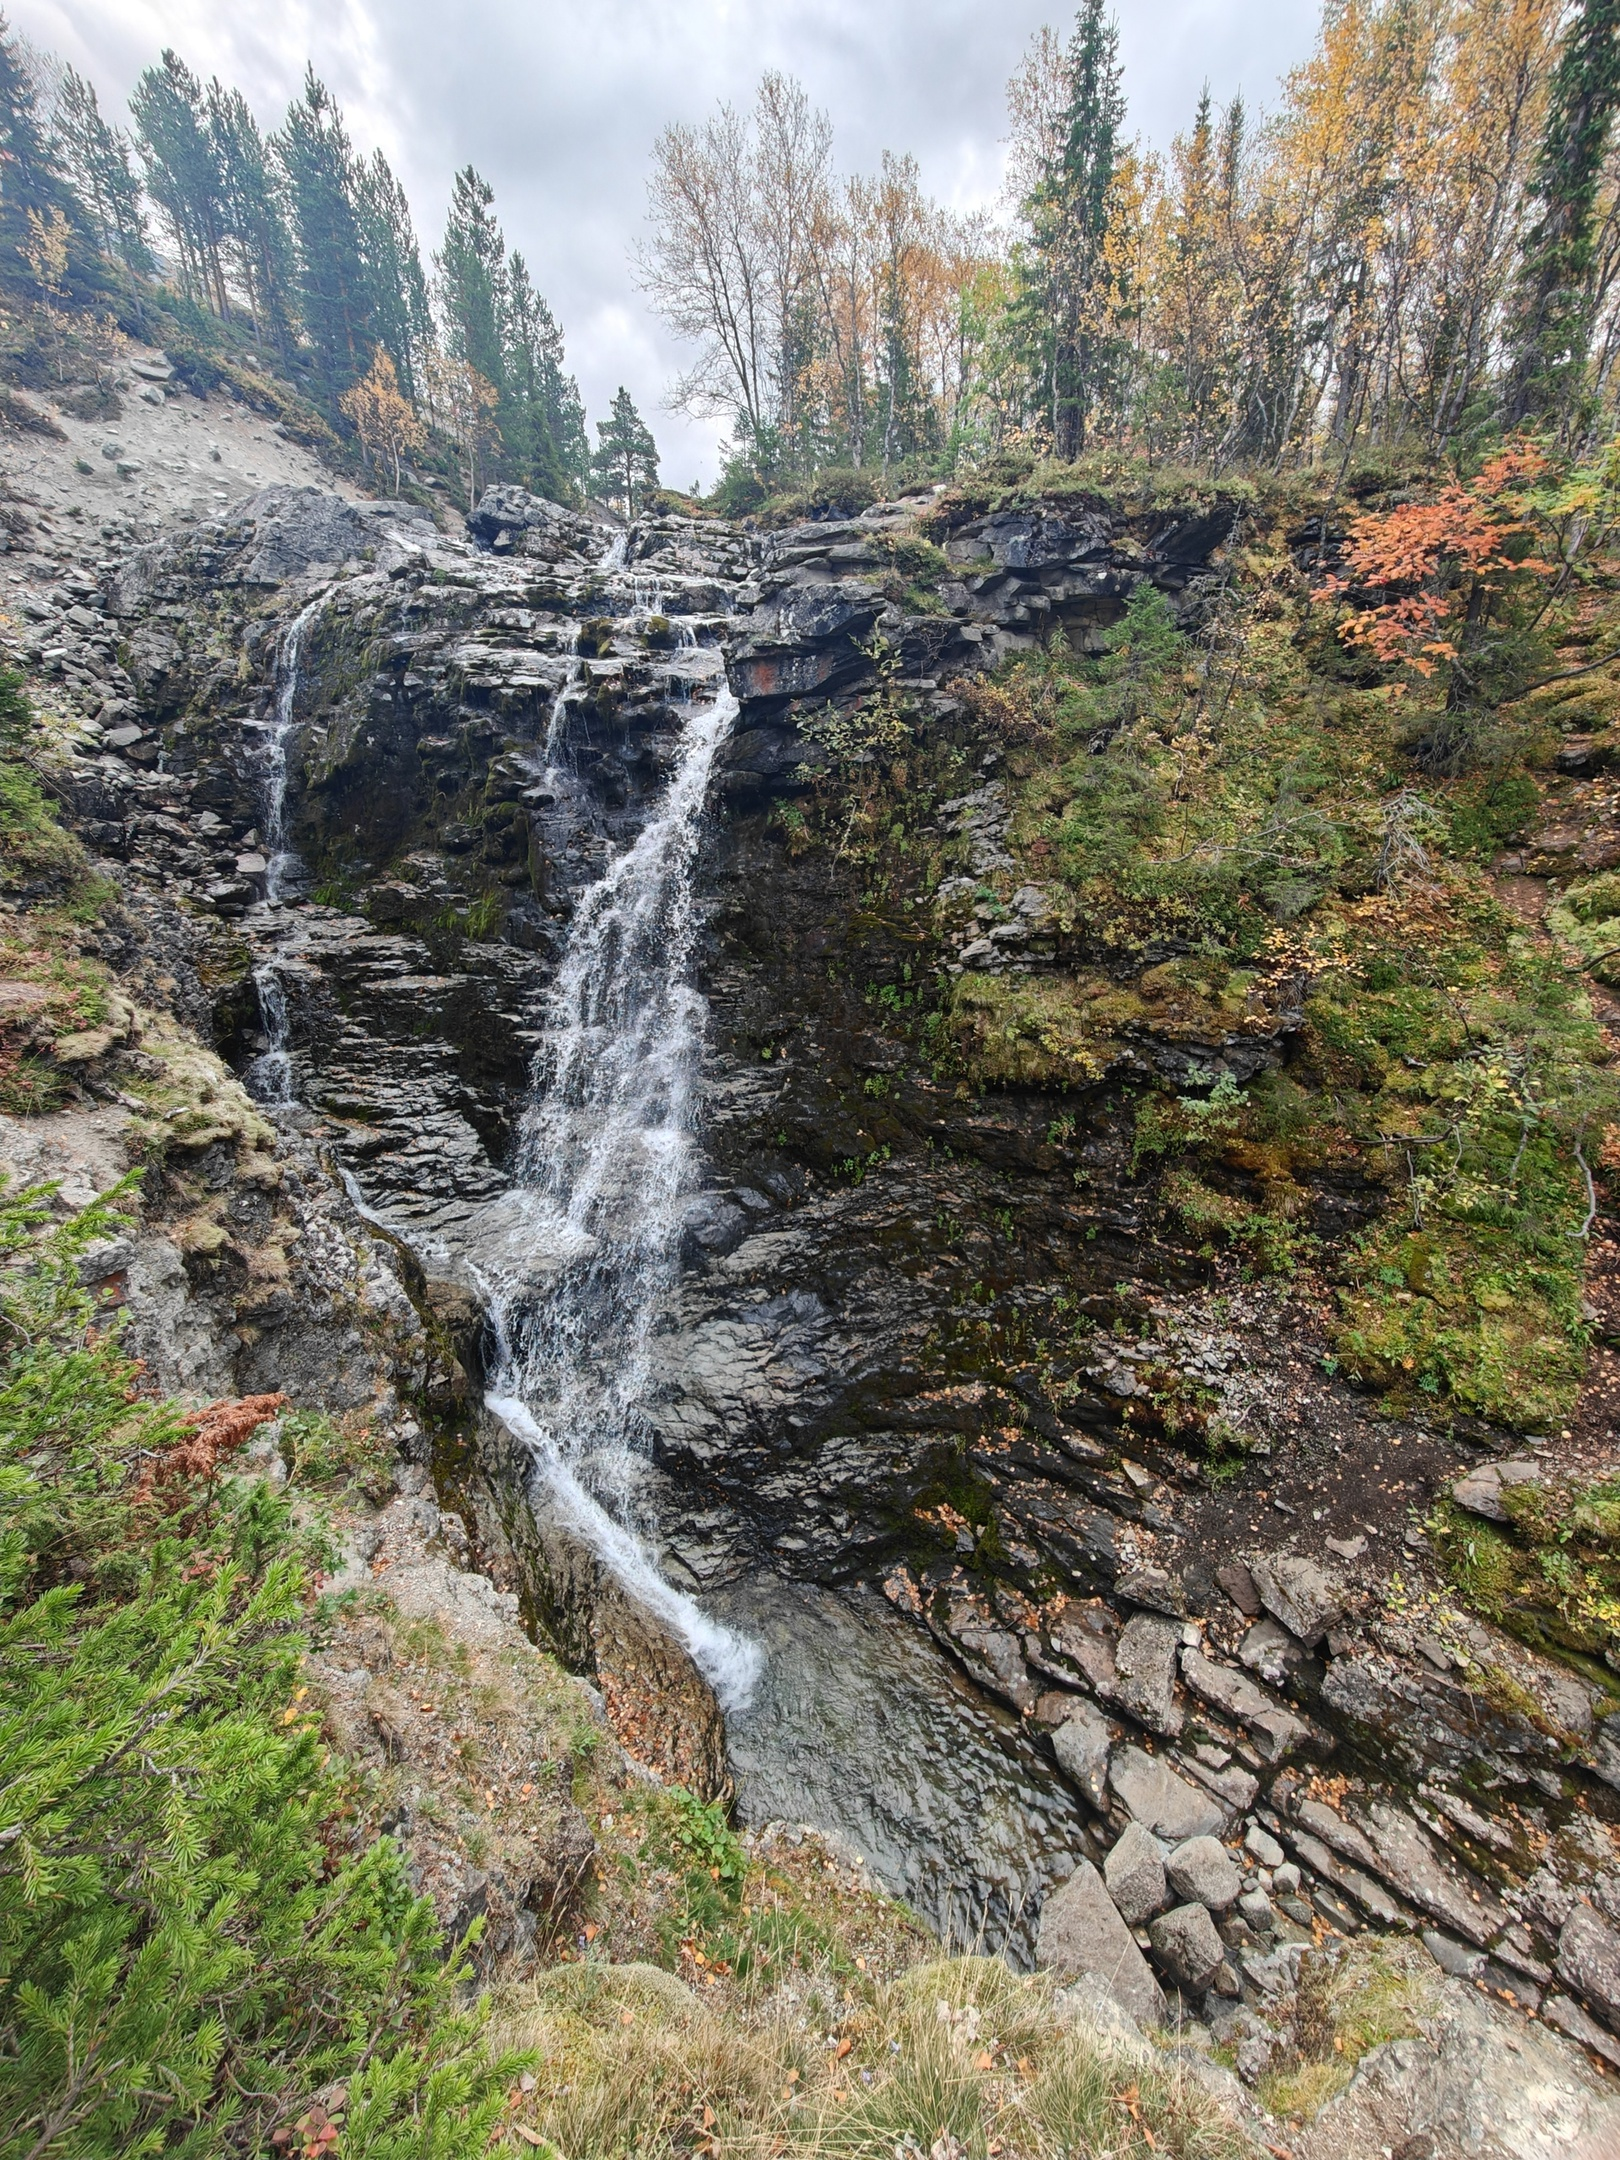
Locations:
column 278, row 860
column 270, row 1076
column 559, row 704
column 606, row 1160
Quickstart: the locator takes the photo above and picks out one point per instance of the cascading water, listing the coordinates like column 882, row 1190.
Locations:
column 605, row 1163
column 270, row 1076
column 558, row 719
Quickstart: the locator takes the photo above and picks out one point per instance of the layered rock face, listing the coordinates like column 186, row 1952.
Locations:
column 849, row 1416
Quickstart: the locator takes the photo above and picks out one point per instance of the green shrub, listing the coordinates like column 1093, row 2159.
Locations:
column 188, row 1955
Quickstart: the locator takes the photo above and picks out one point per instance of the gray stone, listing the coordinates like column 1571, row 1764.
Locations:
column 1255, row 1908
column 1081, row 1932
column 1263, row 1846
column 1571, row 2020
column 1478, row 2081
column 1152, row 1794
column 1201, row 1869
column 1589, row 1960
column 1187, row 1946
column 1285, row 1880
column 1275, row 1728
column 1272, row 1652
column 1460, row 1960
column 1300, row 1593
column 1481, row 1490
column 1134, row 1873
column 1145, row 1673
column 1081, row 1745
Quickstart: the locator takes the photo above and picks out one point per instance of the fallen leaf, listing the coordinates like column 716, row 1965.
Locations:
column 529, row 2137
column 591, row 1931
column 627, row 2017
column 842, row 2049
column 984, row 2060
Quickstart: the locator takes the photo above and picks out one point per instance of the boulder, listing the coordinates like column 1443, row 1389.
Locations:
column 1154, row 1795
column 1201, row 1870
column 1134, row 1873
column 1589, row 1961
column 1300, row 1593
column 1081, row 1745
column 1081, row 1932
column 1271, row 1651
column 1145, row 1673
column 1187, row 1946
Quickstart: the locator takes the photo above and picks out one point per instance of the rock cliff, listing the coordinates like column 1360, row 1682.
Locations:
column 1041, row 1628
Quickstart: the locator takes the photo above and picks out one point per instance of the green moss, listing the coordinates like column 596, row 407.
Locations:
column 1551, row 1574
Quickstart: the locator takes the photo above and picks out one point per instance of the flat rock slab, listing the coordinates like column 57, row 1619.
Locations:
column 1161, row 1800
column 1145, row 1673
column 1081, row 1744
column 1481, row 2084
column 1300, row 1593
column 1081, row 1932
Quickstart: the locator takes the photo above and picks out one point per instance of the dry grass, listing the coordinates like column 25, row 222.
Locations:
column 956, row 2057
column 1380, row 1989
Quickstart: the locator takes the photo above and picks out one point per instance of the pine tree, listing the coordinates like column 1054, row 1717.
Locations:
column 35, row 195
column 472, row 278
column 626, row 461
column 256, row 235
column 334, row 289
column 183, row 175
column 96, row 158
column 1068, row 216
column 1552, row 302
column 401, row 316
column 532, row 352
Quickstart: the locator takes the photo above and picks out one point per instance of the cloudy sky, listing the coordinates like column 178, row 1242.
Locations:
column 557, row 102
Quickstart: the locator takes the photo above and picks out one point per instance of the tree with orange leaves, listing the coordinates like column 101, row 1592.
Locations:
column 384, row 418
column 1433, row 579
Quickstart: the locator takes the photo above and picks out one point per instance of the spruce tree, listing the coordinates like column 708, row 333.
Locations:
column 1552, row 317
column 1068, row 216
column 183, row 175
column 626, row 461
column 333, row 286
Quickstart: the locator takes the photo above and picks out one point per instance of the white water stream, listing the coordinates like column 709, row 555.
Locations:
column 270, row 1077
column 606, row 1159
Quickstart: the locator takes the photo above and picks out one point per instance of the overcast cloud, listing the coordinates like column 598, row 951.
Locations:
column 557, row 103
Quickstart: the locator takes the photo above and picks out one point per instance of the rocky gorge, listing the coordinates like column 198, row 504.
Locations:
column 901, row 1415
